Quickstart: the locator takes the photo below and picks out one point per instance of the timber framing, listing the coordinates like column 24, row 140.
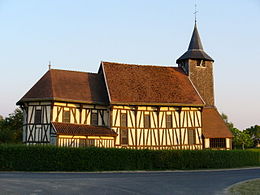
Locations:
column 158, row 136
column 34, row 132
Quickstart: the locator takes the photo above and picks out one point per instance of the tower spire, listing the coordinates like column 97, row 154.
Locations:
column 195, row 42
column 195, row 49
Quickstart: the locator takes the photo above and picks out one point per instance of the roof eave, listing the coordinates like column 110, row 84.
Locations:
column 156, row 104
column 189, row 55
column 217, row 136
column 103, row 135
column 20, row 102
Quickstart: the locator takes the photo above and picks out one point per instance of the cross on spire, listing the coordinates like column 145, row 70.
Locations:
column 195, row 12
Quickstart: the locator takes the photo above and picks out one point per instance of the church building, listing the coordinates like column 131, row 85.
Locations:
column 129, row 106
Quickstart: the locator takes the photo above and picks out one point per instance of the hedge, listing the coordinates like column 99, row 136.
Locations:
column 51, row 158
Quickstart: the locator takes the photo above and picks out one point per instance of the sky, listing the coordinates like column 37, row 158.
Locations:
column 79, row 34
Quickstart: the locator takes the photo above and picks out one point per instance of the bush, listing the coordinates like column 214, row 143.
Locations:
column 51, row 158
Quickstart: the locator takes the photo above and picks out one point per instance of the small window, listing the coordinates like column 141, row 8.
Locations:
column 38, row 117
column 191, row 137
column 66, row 116
column 169, row 121
column 200, row 63
column 124, row 136
column 94, row 119
column 123, row 121
column 124, row 131
column 147, row 122
column 217, row 142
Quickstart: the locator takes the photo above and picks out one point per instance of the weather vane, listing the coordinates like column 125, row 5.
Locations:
column 49, row 65
column 195, row 13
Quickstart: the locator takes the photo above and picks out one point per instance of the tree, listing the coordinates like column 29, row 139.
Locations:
column 241, row 139
column 254, row 132
column 229, row 124
column 11, row 127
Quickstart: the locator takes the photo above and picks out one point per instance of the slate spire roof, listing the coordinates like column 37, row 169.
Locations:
column 195, row 49
column 195, row 42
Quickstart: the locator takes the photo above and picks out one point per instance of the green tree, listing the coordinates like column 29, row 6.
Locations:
column 245, row 140
column 254, row 132
column 241, row 139
column 11, row 127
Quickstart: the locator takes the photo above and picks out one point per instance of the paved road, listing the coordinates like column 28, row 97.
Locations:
column 172, row 182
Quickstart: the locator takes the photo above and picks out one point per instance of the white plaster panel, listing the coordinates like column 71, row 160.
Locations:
column 184, row 136
column 206, row 141
column 30, row 114
column 48, row 120
column 228, row 143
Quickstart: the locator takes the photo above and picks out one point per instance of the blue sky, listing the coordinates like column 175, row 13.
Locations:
column 77, row 35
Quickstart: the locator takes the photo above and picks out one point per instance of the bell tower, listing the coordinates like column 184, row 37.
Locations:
column 199, row 67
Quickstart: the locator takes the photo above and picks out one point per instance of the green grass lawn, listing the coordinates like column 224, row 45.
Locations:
column 248, row 187
column 254, row 149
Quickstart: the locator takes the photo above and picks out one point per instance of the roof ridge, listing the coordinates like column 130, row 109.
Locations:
column 145, row 65
column 74, row 71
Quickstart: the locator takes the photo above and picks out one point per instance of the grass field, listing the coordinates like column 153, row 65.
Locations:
column 248, row 187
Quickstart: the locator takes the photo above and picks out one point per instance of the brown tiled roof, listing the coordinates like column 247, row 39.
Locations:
column 213, row 125
column 83, row 130
column 68, row 86
column 137, row 84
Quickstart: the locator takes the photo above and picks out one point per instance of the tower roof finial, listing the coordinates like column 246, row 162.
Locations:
column 49, row 65
column 195, row 12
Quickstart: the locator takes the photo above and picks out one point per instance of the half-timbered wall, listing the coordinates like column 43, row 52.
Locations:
column 39, row 115
column 159, row 135
column 168, row 128
column 80, row 114
column 37, row 131
column 85, row 141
